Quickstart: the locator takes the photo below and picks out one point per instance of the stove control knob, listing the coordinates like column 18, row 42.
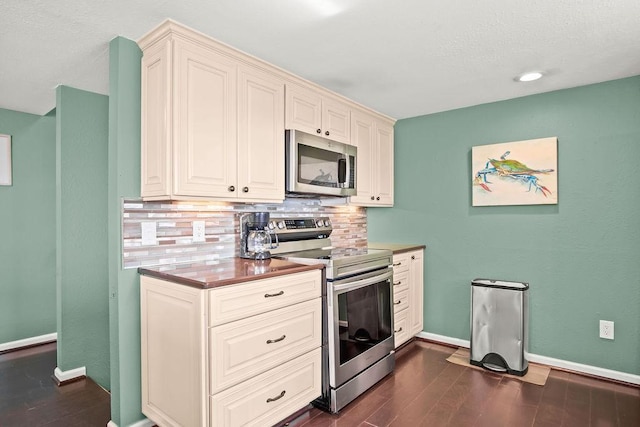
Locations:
column 327, row 223
column 272, row 225
column 319, row 223
column 281, row 224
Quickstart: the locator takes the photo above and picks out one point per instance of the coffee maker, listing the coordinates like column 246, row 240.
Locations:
column 255, row 238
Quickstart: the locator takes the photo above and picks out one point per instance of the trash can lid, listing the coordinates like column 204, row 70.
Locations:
column 503, row 284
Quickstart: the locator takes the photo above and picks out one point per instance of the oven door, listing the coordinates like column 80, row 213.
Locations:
column 360, row 319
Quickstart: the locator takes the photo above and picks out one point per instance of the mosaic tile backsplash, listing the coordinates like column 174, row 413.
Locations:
column 174, row 228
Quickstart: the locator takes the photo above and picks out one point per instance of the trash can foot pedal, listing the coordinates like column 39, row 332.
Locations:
column 496, row 363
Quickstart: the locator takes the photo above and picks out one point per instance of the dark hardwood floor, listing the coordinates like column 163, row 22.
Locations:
column 30, row 397
column 426, row 390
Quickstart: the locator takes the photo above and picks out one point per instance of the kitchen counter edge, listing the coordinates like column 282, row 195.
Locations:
column 397, row 248
column 226, row 272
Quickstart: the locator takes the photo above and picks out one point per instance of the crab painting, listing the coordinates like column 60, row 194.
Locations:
column 525, row 174
column 512, row 169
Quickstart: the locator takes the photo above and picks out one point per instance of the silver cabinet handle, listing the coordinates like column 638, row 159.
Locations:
column 274, row 295
column 399, row 330
column 397, row 283
column 397, row 302
column 232, row 188
column 276, row 340
column 327, row 133
column 280, row 396
column 373, row 198
column 397, row 264
column 378, row 198
column 413, row 257
column 318, row 130
column 245, row 189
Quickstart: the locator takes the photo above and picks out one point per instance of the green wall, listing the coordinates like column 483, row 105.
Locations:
column 581, row 257
column 124, row 182
column 81, row 223
column 27, row 229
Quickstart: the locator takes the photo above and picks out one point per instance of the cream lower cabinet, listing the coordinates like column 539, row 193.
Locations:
column 239, row 355
column 408, row 290
column 212, row 121
column 374, row 139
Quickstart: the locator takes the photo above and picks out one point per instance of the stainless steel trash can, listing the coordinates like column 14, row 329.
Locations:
column 499, row 325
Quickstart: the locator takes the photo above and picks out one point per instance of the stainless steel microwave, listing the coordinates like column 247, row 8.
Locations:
column 319, row 166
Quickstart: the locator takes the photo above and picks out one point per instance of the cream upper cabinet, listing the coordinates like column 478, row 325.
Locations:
column 204, row 124
column 316, row 112
column 212, row 121
column 374, row 138
column 260, row 135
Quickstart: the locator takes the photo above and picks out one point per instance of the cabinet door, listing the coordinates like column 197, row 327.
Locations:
column 156, row 141
column 172, row 353
column 204, row 147
column 303, row 109
column 416, row 289
column 362, row 136
column 336, row 119
column 384, row 164
column 260, row 136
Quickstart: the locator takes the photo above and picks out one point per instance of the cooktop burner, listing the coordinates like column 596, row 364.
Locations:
column 305, row 241
column 334, row 253
column 342, row 261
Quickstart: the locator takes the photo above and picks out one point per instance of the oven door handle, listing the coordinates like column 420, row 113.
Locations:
column 350, row 286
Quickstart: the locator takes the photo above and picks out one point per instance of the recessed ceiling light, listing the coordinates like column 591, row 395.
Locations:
column 529, row 77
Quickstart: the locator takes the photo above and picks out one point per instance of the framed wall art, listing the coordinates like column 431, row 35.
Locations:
column 515, row 173
column 5, row 159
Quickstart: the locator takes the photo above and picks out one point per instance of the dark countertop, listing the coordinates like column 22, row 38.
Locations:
column 397, row 248
column 229, row 271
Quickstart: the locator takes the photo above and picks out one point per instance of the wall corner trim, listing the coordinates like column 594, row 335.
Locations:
column 145, row 422
column 549, row 361
column 65, row 377
column 28, row 342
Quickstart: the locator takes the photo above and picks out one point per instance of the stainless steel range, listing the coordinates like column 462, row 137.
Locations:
column 358, row 331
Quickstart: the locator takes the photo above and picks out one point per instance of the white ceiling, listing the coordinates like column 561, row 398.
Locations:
column 404, row 58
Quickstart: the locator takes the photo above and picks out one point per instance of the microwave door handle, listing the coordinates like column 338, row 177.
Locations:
column 342, row 171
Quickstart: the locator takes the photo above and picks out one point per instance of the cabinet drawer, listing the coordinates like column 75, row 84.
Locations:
column 400, row 263
column 400, row 300
column 400, row 281
column 247, row 299
column 245, row 348
column 401, row 327
column 268, row 398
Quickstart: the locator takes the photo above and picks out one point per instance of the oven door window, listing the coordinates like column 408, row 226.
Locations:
column 364, row 319
column 321, row 167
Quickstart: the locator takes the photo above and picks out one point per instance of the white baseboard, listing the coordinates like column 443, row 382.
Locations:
column 549, row 361
column 71, row 374
column 11, row 345
column 142, row 423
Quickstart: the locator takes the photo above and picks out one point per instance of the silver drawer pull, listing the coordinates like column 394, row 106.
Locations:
column 397, row 302
column 399, row 330
column 274, row 295
column 280, row 396
column 276, row 340
column 396, row 264
column 397, row 283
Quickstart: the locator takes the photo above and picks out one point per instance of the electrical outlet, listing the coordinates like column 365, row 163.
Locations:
column 148, row 233
column 606, row 329
column 198, row 231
